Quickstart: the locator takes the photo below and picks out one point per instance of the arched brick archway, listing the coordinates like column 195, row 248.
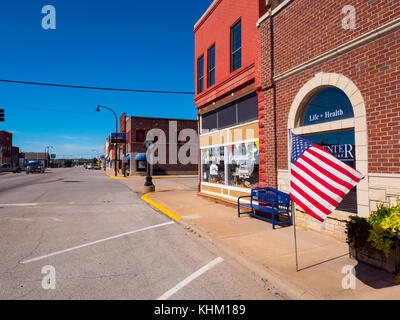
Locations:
column 358, row 123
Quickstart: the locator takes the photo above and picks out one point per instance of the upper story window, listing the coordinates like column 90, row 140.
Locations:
column 236, row 46
column 200, row 74
column 211, row 66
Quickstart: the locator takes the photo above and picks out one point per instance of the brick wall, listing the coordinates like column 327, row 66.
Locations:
column 305, row 29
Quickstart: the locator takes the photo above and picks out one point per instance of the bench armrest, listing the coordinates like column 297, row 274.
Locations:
column 241, row 198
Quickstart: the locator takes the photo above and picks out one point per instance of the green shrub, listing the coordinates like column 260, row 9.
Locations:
column 381, row 228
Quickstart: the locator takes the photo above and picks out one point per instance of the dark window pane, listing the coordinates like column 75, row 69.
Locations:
column 236, row 46
column 200, row 74
column 209, row 121
column 227, row 116
column 248, row 108
column 329, row 104
column 211, row 66
column 140, row 135
column 237, row 60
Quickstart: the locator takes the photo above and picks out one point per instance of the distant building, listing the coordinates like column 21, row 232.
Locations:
column 8, row 153
column 37, row 156
column 132, row 156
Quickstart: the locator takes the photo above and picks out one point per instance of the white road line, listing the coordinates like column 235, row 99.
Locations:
column 18, row 204
column 189, row 279
column 95, row 242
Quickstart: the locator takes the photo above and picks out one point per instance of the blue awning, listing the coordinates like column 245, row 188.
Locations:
column 140, row 157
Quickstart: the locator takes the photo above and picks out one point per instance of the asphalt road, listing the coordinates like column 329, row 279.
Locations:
column 103, row 242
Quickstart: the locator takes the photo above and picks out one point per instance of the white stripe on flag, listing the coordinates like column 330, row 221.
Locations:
column 313, row 195
column 308, row 204
column 316, row 184
column 329, row 168
column 338, row 162
column 322, row 176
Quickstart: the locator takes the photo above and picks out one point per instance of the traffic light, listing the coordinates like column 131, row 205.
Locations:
column 1, row 114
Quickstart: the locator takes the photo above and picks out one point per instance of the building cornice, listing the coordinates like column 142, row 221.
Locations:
column 206, row 14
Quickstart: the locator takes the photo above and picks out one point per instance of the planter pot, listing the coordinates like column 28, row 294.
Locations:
column 368, row 254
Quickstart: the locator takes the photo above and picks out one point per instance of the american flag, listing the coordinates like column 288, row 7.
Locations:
column 319, row 181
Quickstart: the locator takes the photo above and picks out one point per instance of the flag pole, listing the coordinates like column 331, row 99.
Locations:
column 293, row 209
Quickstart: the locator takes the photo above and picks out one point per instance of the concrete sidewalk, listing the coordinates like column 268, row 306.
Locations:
column 270, row 253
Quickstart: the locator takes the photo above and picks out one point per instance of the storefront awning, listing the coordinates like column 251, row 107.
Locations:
column 140, row 157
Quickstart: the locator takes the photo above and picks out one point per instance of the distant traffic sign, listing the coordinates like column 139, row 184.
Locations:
column 119, row 137
column 52, row 156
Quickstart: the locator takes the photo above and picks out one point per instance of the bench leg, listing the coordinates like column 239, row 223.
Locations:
column 273, row 220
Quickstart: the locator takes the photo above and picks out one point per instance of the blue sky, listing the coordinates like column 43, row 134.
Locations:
column 119, row 43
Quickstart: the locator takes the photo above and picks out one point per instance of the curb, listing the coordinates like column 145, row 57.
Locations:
column 161, row 208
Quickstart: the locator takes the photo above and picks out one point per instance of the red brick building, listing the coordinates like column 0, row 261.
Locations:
column 132, row 154
column 329, row 71
column 226, row 53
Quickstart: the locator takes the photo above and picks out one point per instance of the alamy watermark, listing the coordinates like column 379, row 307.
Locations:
column 49, row 20
column 349, row 21
column 49, row 280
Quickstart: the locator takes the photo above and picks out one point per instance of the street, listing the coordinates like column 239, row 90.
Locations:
column 104, row 242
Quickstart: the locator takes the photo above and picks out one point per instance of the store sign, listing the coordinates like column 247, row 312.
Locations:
column 119, row 137
column 327, row 115
column 344, row 152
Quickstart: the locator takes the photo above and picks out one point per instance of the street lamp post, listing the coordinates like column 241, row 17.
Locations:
column 116, row 131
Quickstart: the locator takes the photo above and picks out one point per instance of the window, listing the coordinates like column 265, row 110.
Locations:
column 329, row 104
column 332, row 104
column 240, row 111
column 236, row 46
column 211, row 66
column 140, row 135
column 231, row 165
column 200, row 74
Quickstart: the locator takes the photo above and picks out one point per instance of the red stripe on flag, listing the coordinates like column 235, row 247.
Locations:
column 323, row 195
column 327, row 185
column 326, row 172
column 305, row 208
column 333, row 164
column 310, row 199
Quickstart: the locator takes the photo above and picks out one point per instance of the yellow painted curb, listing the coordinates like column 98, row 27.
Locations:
column 113, row 177
column 164, row 210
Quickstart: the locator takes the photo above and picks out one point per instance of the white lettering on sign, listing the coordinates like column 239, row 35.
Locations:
column 326, row 115
column 341, row 151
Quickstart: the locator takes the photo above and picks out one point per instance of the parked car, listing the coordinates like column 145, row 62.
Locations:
column 88, row 166
column 35, row 166
column 7, row 167
column 96, row 167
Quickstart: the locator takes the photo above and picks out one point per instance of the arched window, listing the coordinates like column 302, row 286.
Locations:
column 332, row 104
column 329, row 104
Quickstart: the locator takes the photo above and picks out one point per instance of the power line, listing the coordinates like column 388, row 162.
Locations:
column 94, row 88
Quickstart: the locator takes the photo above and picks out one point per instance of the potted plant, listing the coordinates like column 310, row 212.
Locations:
column 375, row 240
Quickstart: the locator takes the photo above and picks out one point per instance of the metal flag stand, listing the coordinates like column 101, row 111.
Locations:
column 293, row 209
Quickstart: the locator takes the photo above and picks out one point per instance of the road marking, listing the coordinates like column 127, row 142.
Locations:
column 95, row 242
column 161, row 208
column 18, row 204
column 189, row 279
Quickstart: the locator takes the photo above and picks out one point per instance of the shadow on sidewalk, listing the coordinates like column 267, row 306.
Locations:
column 374, row 277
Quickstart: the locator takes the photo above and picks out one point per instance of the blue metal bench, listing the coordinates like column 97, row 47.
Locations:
column 267, row 200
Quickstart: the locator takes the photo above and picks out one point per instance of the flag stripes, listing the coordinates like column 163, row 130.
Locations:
column 319, row 181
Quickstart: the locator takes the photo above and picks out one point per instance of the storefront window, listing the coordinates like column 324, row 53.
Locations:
column 243, row 165
column 341, row 145
column 213, row 165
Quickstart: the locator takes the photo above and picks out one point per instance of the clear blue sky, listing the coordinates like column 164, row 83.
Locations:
column 119, row 43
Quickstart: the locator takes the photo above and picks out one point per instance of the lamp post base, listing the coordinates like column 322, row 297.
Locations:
column 147, row 189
